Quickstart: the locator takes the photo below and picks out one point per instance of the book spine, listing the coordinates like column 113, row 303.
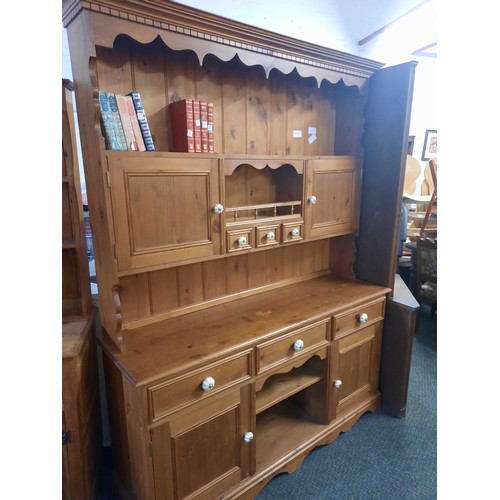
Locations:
column 204, row 126
column 210, row 126
column 197, row 126
column 126, row 122
column 182, row 126
column 143, row 121
column 117, row 121
column 135, row 123
column 107, row 122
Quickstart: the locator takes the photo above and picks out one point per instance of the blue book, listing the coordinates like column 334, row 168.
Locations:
column 143, row 121
column 107, row 122
column 117, row 121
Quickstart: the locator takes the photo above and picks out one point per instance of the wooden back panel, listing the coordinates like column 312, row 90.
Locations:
column 169, row 292
column 253, row 114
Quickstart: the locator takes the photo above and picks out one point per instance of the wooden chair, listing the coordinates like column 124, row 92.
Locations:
column 427, row 272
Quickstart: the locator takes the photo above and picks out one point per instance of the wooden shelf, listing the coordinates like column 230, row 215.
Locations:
column 280, row 386
column 280, row 430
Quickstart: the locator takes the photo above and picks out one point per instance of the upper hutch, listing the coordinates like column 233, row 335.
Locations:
column 242, row 294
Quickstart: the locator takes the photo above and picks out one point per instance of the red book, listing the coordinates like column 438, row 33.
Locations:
column 204, row 126
column 210, row 126
column 182, row 126
column 197, row 126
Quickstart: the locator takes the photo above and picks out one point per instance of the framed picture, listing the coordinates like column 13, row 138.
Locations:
column 430, row 145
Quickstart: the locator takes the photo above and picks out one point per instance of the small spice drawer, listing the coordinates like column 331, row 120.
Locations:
column 171, row 395
column 239, row 239
column 362, row 316
column 292, row 345
column 267, row 236
column 291, row 231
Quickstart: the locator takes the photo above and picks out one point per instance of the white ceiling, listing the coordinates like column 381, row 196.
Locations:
column 340, row 24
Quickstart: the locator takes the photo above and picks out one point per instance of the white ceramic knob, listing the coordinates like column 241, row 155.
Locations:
column 298, row 345
column 338, row 384
column 242, row 241
column 247, row 437
column 363, row 318
column 295, row 232
column 270, row 236
column 208, row 384
column 312, row 200
column 218, row 209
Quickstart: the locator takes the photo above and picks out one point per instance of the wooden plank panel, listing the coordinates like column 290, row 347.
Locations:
column 277, row 114
column 291, row 261
column 234, row 109
column 325, row 119
column 149, row 79
column 134, row 296
column 257, row 116
column 114, row 69
column 190, row 284
column 214, row 279
column 236, row 274
column 257, row 269
column 179, row 80
column 164, row 290
column 349, row 106
column 301, row 114
column 209, row 89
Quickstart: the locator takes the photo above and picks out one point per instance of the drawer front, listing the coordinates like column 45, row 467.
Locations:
column 239, row 239
column 292, row 231
column 353, row 320
column 268, row 236
column 292, row 345
column 194, row 386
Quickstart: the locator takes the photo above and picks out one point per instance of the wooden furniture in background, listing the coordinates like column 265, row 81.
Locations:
column 426, row 261
column 242, row 293
column 423, row 217
column 81, row 425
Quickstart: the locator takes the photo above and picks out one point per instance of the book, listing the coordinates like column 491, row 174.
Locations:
column 210, row 126
column 182, row 126
column 126, row 123
column 117, row 121
column 142, row 119
column 135, row 123
column 107, row 124
column 197, row 126
column 204, row 126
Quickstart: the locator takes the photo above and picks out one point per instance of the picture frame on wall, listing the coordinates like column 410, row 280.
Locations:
column 430, row 145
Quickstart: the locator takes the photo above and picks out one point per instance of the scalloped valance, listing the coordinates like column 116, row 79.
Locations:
column 185, row 28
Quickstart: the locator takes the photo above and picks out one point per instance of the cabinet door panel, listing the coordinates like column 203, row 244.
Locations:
column 201, row 451
column 162, row 209
column 355, row 364
column 333, row 184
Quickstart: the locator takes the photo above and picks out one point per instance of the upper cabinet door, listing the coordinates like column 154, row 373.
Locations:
column 331, row 198
column 387, row 123
column 163, row 209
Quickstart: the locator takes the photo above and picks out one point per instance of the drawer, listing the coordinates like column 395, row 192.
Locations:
column 354, row 319
column 291, row 231
column 239, row 239
column 292, row 345
column 267, row 236
column 196, row 385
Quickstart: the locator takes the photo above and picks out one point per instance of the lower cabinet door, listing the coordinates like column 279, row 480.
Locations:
column 355, row 368
column 205, row 449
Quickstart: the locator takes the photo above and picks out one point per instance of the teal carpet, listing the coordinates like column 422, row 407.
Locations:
column 381, row 457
